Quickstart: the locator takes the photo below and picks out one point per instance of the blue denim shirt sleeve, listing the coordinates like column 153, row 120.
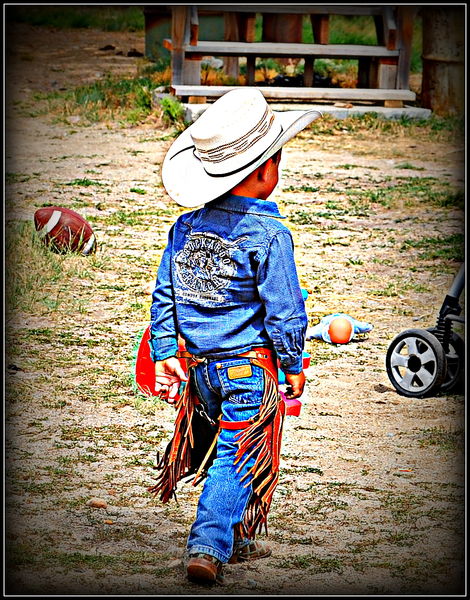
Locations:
column 278, row 285
column 163, row 333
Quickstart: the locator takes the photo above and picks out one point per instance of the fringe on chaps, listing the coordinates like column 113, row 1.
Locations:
column 193, row 448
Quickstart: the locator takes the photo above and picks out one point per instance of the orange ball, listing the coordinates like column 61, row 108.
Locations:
column 340, row 330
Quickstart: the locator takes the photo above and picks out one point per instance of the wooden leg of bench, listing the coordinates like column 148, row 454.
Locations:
column 387, row 74
column 364, row 73
column 250, row 70
column 308, row 71
column 231, row 67
column 393, row 103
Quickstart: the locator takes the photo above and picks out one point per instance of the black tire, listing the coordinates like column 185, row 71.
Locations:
column 416, row 363
column 455, row 360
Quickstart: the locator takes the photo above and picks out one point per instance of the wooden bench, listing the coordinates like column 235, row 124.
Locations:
column 384, row 66
column 255, row 50
column 184, row 92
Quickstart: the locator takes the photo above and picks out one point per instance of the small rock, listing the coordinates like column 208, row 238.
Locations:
column 108, row 47
column 174, row 563
column 97, row 503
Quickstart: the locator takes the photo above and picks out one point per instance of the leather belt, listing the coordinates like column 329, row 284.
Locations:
column 259, row 353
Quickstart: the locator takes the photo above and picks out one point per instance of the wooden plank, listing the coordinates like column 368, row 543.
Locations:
column 178, row 29
column 231, row 33
column 303, row 9
column 267, row 49
column 301, row 93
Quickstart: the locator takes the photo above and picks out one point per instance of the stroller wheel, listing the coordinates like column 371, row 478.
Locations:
column 455, row 360
column 416, row 363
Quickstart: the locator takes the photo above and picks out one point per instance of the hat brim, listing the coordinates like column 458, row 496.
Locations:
column 188, row 184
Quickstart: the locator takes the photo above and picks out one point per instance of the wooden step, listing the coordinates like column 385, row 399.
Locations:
column 271, row 50
column 301, row 93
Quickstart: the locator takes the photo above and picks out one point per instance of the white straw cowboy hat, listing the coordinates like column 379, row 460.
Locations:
column 233, row 137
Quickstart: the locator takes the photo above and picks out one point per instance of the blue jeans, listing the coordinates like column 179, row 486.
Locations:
column 235, row 395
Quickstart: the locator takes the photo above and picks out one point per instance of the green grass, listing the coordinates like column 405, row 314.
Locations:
column 112, row 18
column 435, row 128
column 314, row 564
column 442, row 439
column 30, row 269
column 84, row 181
column 443, row 248
column 111, row 98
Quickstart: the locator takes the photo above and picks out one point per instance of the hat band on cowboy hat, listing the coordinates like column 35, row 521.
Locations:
column 225, row 158
column 228, row 141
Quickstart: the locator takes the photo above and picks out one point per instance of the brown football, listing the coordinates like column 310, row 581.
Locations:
column 64, row 230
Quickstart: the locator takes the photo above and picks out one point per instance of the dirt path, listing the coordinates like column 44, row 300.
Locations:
column 371, row 493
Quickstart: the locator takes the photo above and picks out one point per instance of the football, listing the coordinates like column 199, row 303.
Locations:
column 64, row 230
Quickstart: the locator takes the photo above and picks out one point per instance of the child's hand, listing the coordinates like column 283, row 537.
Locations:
column 296, row 384
column 168, row 375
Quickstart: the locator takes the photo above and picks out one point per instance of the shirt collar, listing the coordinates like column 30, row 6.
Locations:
column 252, row 206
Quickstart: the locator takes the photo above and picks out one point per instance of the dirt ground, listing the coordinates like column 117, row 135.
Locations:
column 371, row 494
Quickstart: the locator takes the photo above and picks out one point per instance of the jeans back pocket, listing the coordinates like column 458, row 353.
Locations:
column 241, row 381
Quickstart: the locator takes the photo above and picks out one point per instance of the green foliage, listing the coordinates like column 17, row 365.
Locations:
column 114, row 93
column 173, row 110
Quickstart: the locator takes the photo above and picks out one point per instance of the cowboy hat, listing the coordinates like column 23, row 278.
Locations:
column 233, row 137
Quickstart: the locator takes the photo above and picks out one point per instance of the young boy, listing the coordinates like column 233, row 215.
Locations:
column 227, row 285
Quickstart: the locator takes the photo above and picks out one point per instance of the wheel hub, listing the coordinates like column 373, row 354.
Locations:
column 414, row 363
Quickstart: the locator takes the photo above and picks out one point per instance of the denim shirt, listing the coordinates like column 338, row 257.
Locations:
column 227, row 282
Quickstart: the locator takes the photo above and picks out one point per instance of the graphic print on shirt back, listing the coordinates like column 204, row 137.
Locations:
column 204, row 268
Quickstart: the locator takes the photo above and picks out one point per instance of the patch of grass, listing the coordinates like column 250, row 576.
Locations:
column 410, row 191
column 408, row 165
column 402, row 506
column 121, row 217
column 303, row 469
column 114, row 18
column 30, row 268
column 301, row 188
column 347, row 166
column 443, row 248
column 435, row 128
column 313, row 563
column 172, row 111
column 109, row 98
column 84, row 181
column 16, row 178
column 442, row 439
